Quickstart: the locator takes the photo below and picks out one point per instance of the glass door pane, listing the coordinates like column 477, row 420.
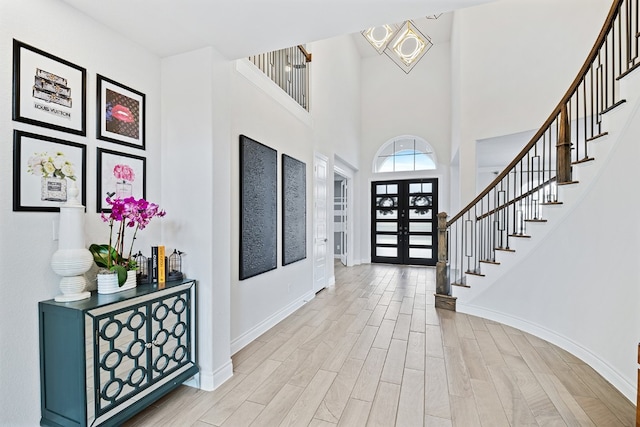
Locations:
column 385, row 222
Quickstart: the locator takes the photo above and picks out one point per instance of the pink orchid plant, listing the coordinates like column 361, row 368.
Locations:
column 125, row 213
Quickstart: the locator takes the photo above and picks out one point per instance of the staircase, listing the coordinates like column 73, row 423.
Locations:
column 551, row 246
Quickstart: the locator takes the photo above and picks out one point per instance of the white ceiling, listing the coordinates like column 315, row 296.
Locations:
column 239, row 28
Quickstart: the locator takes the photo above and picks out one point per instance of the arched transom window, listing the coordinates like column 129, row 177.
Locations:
column 405, row 153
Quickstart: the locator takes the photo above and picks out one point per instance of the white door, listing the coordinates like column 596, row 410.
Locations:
column 320, row 223
column 344, row 219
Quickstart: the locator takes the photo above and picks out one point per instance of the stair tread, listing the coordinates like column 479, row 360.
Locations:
column 585, row 160
column 568, row 183
column 488, row 261
column 473, row 273
column 524, row 236
column 462, row 285
column 535, row 220
column 613, row 106
column 550, row 203
column 600, row 135
column 504, row 249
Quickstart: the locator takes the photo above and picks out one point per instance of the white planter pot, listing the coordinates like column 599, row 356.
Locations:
column 108, row 283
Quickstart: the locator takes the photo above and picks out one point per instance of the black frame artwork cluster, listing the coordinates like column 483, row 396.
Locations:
column 258, row 208
column 51, row 92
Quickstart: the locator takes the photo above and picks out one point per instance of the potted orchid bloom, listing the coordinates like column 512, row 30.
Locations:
column 125, row 213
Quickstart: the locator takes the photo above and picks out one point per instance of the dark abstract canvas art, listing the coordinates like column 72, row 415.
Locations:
column 294, row 210
column 258, row 208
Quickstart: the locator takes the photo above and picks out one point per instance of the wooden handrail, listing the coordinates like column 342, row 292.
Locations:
column 604, row 32
column 307, row 55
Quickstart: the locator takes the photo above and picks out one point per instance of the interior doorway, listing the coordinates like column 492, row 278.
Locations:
column 340, row 218
column 319, row 222
column 343, row 212
column 404, row 221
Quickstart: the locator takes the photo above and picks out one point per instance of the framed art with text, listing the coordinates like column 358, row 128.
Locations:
column 48, row 91
column 120, row 114
column 258, row 208
column 120, row 175
column 294, row 210
column 44, row 170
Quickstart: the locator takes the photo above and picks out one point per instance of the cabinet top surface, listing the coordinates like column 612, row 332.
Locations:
column 98, row 300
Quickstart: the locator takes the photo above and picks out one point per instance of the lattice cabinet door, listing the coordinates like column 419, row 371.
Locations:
column 171, row 335
column 119, row 366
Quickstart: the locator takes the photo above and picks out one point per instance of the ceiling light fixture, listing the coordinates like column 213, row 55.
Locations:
column 436, row 16
column 408, row 46
column 379, row 37
column 404, row 44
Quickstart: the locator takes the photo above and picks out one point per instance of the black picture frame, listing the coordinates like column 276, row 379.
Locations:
column 114, row 173
column 120, row 114
column 258, row 208
column 33, row 155
column 294, row 210
column 46, row 89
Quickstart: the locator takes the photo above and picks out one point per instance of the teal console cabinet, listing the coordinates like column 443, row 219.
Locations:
column 105, row 358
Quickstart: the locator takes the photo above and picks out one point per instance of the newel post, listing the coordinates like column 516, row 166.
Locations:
column 563, row 148
column 443, row 286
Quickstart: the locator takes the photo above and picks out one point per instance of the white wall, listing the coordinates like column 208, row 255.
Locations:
column 196, row 186
column 395, row 103
column 514, row 60
column 335, row 92
column 335, row 98
column 26, row 243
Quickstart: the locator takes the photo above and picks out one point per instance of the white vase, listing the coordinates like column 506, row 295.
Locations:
column 71, row 264
column 72, row 259
column 108, row 283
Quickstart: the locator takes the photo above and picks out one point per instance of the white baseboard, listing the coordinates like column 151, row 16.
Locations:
column 246, row 338
column 210, row 381
column 603, row 368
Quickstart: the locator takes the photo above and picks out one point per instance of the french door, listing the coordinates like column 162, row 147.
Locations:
column 404, row 221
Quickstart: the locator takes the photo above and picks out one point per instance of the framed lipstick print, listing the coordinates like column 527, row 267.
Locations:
column 121, row 114
column 48, row 91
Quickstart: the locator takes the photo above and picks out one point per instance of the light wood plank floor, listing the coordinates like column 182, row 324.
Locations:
column 373, row 350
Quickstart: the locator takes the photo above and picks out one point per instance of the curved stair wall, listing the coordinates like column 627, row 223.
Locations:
column 576, row 281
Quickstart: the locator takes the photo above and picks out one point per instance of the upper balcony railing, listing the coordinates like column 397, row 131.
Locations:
column 289, row 69
column 517, row 196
